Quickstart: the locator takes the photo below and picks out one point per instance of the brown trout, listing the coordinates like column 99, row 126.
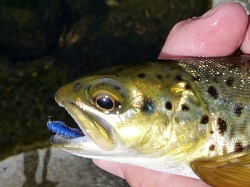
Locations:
column 188, row 117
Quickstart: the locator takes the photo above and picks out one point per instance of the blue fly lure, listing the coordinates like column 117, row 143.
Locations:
column 60, row 128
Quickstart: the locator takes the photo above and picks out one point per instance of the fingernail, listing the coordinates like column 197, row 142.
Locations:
column 111, row 167
column 119, row 171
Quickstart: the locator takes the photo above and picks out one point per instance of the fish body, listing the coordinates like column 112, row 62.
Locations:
column 189, row 117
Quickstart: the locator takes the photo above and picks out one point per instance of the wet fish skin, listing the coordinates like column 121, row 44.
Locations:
column 165, row 116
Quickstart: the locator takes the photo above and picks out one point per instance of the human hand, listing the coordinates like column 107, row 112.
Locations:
column 219, row 32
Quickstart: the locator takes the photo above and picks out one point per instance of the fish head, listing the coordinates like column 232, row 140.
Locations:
column 137, row 115
column 120, row 114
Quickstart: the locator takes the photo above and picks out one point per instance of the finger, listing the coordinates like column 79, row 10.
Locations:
column 111, row 167
column 219, row 32
column 137, row 176
column 245, row 46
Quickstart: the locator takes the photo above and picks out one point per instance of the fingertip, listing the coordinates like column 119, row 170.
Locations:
column 219, row 32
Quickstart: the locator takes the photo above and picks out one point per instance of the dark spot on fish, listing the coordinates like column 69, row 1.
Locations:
column 204, row 119
column 222, row 126
column 177, row 120
column 215, row 80
column 184, row 107
column 224, row 149
column 235, row 65
column 141, row 75
column 196, row 78
column 243, row 127
column 77, row 86
column 178, row 78
column 159, row 77
column 238, row 109
column 238, row 147
column 211, row 147
column 168, row 105
column 148, row 106
column 213, row 92
column 122, row 95
column 187, row 86
column 230, row 81
column 211, row 132
column 117, row 88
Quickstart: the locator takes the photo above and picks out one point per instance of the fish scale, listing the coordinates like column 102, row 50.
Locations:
column 229, row 96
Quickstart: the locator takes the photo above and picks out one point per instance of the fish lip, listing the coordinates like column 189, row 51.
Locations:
column 61, row 141
column 76, row 109
column 84, row 113
column 106, row 125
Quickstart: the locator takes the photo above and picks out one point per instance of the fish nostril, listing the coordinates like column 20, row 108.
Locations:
column 77, row 86
column 88, row 88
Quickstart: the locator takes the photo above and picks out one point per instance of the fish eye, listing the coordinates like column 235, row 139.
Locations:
column 105, row 103
column 107, row 95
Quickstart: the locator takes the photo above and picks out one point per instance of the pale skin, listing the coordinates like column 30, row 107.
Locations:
column 219, row 32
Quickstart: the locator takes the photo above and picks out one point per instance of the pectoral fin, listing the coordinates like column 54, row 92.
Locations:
column 230, row 170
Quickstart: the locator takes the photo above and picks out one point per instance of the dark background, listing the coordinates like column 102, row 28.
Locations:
column 45, row 44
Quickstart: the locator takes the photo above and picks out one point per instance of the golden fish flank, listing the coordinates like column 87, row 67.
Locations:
column 167, row 116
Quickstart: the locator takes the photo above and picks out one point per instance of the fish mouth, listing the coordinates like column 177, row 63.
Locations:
column 95, row 129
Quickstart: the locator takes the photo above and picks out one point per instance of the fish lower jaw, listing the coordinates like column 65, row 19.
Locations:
column 58, row 139
column 71, row 109
column 92, row 123
column 64, row 136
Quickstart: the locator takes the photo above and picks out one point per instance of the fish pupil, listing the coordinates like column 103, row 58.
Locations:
column 105, row 103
